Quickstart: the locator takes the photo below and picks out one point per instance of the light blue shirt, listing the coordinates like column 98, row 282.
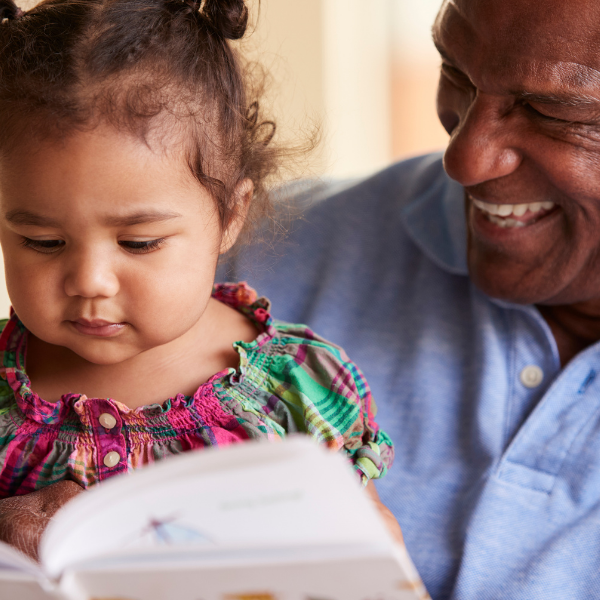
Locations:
column 496, row 485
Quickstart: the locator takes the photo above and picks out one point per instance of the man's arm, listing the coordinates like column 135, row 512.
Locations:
column 386, row 513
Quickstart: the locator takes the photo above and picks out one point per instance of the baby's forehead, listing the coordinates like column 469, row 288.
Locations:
column 100, row 166
column 178, row 138
column 164, row 72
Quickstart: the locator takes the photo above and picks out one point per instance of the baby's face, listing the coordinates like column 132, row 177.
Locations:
column 110, row 247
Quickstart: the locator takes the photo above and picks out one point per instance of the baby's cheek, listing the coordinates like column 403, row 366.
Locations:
column 177, row 317
column 165, row 314
column 166, row 302
column 36, row 297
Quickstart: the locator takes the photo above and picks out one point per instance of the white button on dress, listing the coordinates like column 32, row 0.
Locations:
column 531, row 376
column 112, row 459
column 107, row 420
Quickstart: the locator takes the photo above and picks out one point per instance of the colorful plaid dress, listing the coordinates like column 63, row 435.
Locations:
column 289, row 380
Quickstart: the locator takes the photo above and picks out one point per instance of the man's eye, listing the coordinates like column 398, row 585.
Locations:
column 541, row 115
column 43, row 246
column 142, row 247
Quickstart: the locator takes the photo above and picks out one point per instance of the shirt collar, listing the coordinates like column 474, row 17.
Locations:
column 435, row 217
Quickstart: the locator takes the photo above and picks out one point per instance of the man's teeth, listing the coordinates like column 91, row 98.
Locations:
column 506, row 210
column 505, row 222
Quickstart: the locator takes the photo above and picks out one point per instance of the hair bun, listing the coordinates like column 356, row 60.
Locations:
column 9, row 10
column 228, row 17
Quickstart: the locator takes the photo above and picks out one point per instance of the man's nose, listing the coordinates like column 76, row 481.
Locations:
column 90, row 274
column 483, row 144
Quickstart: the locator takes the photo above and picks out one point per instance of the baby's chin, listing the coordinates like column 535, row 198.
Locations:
column 104, row 352
column 108, row 352
column 106, row 359
column 69, row 346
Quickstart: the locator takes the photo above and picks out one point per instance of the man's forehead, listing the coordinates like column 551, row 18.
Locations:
column 548, row 25
column 552, row 42
column 550, row 14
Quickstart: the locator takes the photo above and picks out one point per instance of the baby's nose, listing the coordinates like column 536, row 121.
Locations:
column 90, row 274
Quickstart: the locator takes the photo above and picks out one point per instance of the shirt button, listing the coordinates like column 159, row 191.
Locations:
column 107, row 420
column 112, row 459
column 531, row 376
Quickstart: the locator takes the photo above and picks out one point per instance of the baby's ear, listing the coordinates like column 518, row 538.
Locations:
column 242, row 193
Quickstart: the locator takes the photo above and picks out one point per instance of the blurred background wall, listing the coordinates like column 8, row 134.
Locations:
column 363, row 71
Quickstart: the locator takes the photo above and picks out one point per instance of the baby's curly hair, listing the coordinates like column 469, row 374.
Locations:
column 144, row 66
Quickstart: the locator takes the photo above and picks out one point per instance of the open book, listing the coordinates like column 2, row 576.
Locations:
column 252, row 521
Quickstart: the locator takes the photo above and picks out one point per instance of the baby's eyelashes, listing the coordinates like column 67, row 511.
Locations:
column 43, row 246
column 134, row 247
column 142, row 247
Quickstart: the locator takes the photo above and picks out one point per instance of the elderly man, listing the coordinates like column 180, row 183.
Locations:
column 468, row 290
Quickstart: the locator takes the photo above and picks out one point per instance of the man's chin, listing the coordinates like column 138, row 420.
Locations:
column 514, row 285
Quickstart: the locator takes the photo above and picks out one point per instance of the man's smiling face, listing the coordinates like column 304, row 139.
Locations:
column 519, row 94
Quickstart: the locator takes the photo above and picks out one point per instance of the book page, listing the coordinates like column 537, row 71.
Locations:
column 286, row 519
column 375, row 577
column 23, row 585
column 13, row 560
column 20, row 586
column 21, row 578
column 248, row 495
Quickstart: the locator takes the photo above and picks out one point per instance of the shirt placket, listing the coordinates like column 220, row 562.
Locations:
column 109, row 438
column 537, row 453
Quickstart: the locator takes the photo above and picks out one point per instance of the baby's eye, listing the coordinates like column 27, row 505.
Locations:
column 141, row 247
column 43, row 246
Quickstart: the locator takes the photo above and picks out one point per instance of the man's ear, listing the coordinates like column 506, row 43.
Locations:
column 242, row 193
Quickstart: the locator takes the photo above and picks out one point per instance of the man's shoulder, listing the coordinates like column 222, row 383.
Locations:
column 394, row 186
column 411, row 205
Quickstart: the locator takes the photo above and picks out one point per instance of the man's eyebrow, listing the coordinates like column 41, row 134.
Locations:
column 571, row 100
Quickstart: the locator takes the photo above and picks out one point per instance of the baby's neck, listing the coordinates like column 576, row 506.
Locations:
column 149, row 377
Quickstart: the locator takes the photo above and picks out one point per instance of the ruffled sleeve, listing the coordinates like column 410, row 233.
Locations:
column 298, row 382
